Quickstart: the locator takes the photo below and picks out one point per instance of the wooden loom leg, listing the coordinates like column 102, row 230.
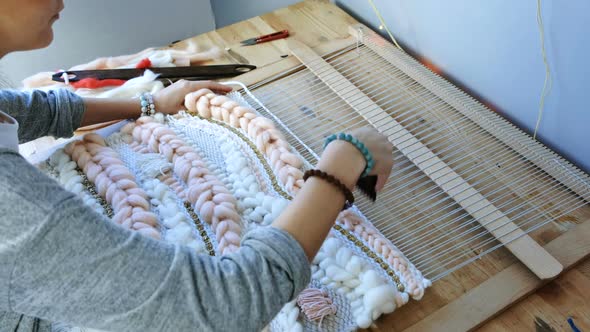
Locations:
column 499, row 225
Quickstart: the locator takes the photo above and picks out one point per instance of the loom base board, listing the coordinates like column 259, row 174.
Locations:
column 454, row 289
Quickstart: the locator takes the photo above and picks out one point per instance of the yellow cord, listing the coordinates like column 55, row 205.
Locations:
column 382, row 22
column 546, row 87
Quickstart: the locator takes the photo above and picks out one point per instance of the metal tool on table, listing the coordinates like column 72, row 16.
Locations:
column 265, row 38
column 236, row 56
column 168, row 73
column 254, row 41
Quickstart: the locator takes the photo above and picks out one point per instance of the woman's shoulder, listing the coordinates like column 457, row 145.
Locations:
column 22, row 183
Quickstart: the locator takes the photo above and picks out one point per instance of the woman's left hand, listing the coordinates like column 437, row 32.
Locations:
column 171, row 99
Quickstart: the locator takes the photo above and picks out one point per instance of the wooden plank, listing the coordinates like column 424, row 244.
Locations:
column 535, row 152
column 289, row 63
column 494, row 295
column 322, row 26
column 499, row 225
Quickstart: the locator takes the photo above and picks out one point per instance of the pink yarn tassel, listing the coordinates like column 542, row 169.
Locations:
column 316, row 304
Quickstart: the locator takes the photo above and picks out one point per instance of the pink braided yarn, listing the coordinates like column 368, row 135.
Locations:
column 262, row 131
column 171, row 182
column 115, row 183
column 207, row 194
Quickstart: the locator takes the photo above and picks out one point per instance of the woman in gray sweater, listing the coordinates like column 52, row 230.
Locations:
column 62, row 262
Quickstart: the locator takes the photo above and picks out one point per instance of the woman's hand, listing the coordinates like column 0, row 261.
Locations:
column 312, row 212
column 171, row 99
column 345, row 161
column 381, row 150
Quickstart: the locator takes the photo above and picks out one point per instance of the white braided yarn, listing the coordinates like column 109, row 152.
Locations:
column 173, row 216
column 69, row 178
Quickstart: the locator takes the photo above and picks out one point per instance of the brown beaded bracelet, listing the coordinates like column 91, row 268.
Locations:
column 333, row 180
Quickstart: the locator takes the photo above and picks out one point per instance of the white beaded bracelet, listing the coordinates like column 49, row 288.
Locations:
column 147, row 104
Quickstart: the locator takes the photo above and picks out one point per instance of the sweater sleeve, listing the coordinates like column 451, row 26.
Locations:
column 54, row 113
column 69, row 264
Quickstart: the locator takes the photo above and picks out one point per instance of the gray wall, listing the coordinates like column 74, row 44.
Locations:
column 492, row 48
column 89, row 29
column 231, row 11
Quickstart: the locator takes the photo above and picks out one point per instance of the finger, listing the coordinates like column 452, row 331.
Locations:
column 224, row 90
column 182, row 84
column 214, row 86
column 381, row 180
column 383, row 176
column 220, row 92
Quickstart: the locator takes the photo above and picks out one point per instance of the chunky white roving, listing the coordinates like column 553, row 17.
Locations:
column 71, row 180
column 340, row 268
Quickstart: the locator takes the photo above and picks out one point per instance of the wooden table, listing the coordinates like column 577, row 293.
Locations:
column 324, row 27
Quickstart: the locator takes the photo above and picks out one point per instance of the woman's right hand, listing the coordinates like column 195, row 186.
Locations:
column 311, row 214
column 381, row 150
column 346, row 162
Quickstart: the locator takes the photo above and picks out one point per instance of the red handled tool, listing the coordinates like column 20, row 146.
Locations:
column 266, row 38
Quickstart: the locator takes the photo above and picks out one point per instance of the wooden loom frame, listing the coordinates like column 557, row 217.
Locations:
column 537, row 264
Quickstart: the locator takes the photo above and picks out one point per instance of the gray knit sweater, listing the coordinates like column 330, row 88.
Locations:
column 62, row 262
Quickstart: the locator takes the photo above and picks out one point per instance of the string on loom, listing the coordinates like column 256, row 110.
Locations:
column 383, row 25
column 548, row 82
column 457, row 235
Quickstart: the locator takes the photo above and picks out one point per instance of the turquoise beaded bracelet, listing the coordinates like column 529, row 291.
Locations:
column 359, row 145
column 147, row 104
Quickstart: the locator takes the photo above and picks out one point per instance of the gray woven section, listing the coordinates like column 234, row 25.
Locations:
column 63, row 327
column 129, row 158
column 203, row 141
